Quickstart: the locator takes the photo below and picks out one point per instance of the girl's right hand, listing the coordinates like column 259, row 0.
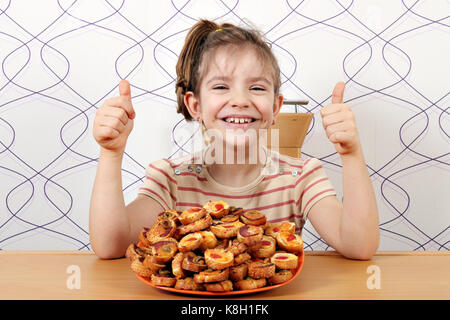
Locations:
column 114, row 121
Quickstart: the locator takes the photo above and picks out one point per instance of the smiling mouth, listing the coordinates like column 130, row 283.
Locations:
column 236, row 120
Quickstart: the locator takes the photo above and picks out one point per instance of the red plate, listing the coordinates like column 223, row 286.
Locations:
column 301, row 259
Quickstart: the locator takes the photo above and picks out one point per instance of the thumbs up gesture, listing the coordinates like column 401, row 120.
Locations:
column 339, row 123
column 114, row 120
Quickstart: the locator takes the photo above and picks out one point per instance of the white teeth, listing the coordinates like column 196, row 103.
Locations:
column 238, row 120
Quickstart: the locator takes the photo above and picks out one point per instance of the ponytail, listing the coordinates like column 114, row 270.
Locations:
column 189, row 60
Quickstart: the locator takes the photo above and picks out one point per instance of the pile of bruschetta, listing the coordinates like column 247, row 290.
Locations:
column 216, row 247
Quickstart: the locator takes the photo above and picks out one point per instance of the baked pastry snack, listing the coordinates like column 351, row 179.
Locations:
column 237, row 250
column 241, row 258
column 223, row 243
column 236, row 211
column 209, row 240
column 281, row 276
column 151, row 263
column 217, row 209
column 190, row 242
column 138, row 267
column 250, row 235
column 192, row 262
column 169, row 214
column 163, row 278
column 261, row 269
column 191, row 215
column 250, row 283
column 226, row 230
column 236, row 247
column 253, row 218
column 267, row 248
column 230, row 218
column 163, row 228
column 195, row 226
column 290, row 241
column 222, row 286
column 177, row 269
column 285, row 260
column 218, row 258
column 274, row 229
column 134, row 251
column 143, row 237
column 238, row 272
column 189, row 284
column 210, row 275
column 164, row 250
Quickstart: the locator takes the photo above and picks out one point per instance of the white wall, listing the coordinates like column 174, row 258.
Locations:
column 59, row 63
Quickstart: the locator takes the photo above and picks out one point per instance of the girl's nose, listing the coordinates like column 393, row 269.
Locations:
column 239, row 99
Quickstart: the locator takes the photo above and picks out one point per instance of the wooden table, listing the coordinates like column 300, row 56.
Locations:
column 325, row 275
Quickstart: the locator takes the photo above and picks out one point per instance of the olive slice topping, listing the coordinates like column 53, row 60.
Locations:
column 199, row 260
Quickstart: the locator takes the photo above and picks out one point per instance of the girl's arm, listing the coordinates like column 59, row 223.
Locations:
column 351, row 227
column 112, row 225
column 108, row 223
column 359, row 221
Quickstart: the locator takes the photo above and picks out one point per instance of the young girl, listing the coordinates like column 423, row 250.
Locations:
column 228, row 80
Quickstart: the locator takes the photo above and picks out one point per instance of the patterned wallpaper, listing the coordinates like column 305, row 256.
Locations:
column 61, row 58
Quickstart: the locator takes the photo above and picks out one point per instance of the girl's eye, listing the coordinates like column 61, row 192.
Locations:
column 258, row 88
column 220, row 87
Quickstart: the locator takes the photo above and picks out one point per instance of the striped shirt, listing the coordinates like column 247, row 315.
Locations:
column 285, row 190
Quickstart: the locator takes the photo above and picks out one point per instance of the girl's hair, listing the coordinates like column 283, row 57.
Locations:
column 204, row 38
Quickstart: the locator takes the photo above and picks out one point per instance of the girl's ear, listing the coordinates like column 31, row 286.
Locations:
column 192, row 104
column 277, row 105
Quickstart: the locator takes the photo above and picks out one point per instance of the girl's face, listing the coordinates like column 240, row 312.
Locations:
column 236, row 92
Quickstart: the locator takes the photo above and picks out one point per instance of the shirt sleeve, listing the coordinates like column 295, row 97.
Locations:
column 314, row 185
column 160, row 183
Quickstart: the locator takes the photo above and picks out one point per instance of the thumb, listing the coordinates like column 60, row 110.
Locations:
column 338, row 93
column 124, row 89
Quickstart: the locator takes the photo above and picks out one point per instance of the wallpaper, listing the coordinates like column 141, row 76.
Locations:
column 60, row 59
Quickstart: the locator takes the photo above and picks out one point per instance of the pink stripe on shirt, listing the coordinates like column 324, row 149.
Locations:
column 318, row 194
column 194, row 175
column 309, row 187
column 164, row 173
column 188, row 204
column 164, row 187
column 279, row 204
column 196, row 190
column 156, row 194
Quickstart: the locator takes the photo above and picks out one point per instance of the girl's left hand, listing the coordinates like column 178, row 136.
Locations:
column 339, row 123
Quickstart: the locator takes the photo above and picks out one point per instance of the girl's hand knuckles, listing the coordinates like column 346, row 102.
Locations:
column 106, row 131
column 112, row 132
column 100, row 111
column 122, row 113
column 116, row 123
